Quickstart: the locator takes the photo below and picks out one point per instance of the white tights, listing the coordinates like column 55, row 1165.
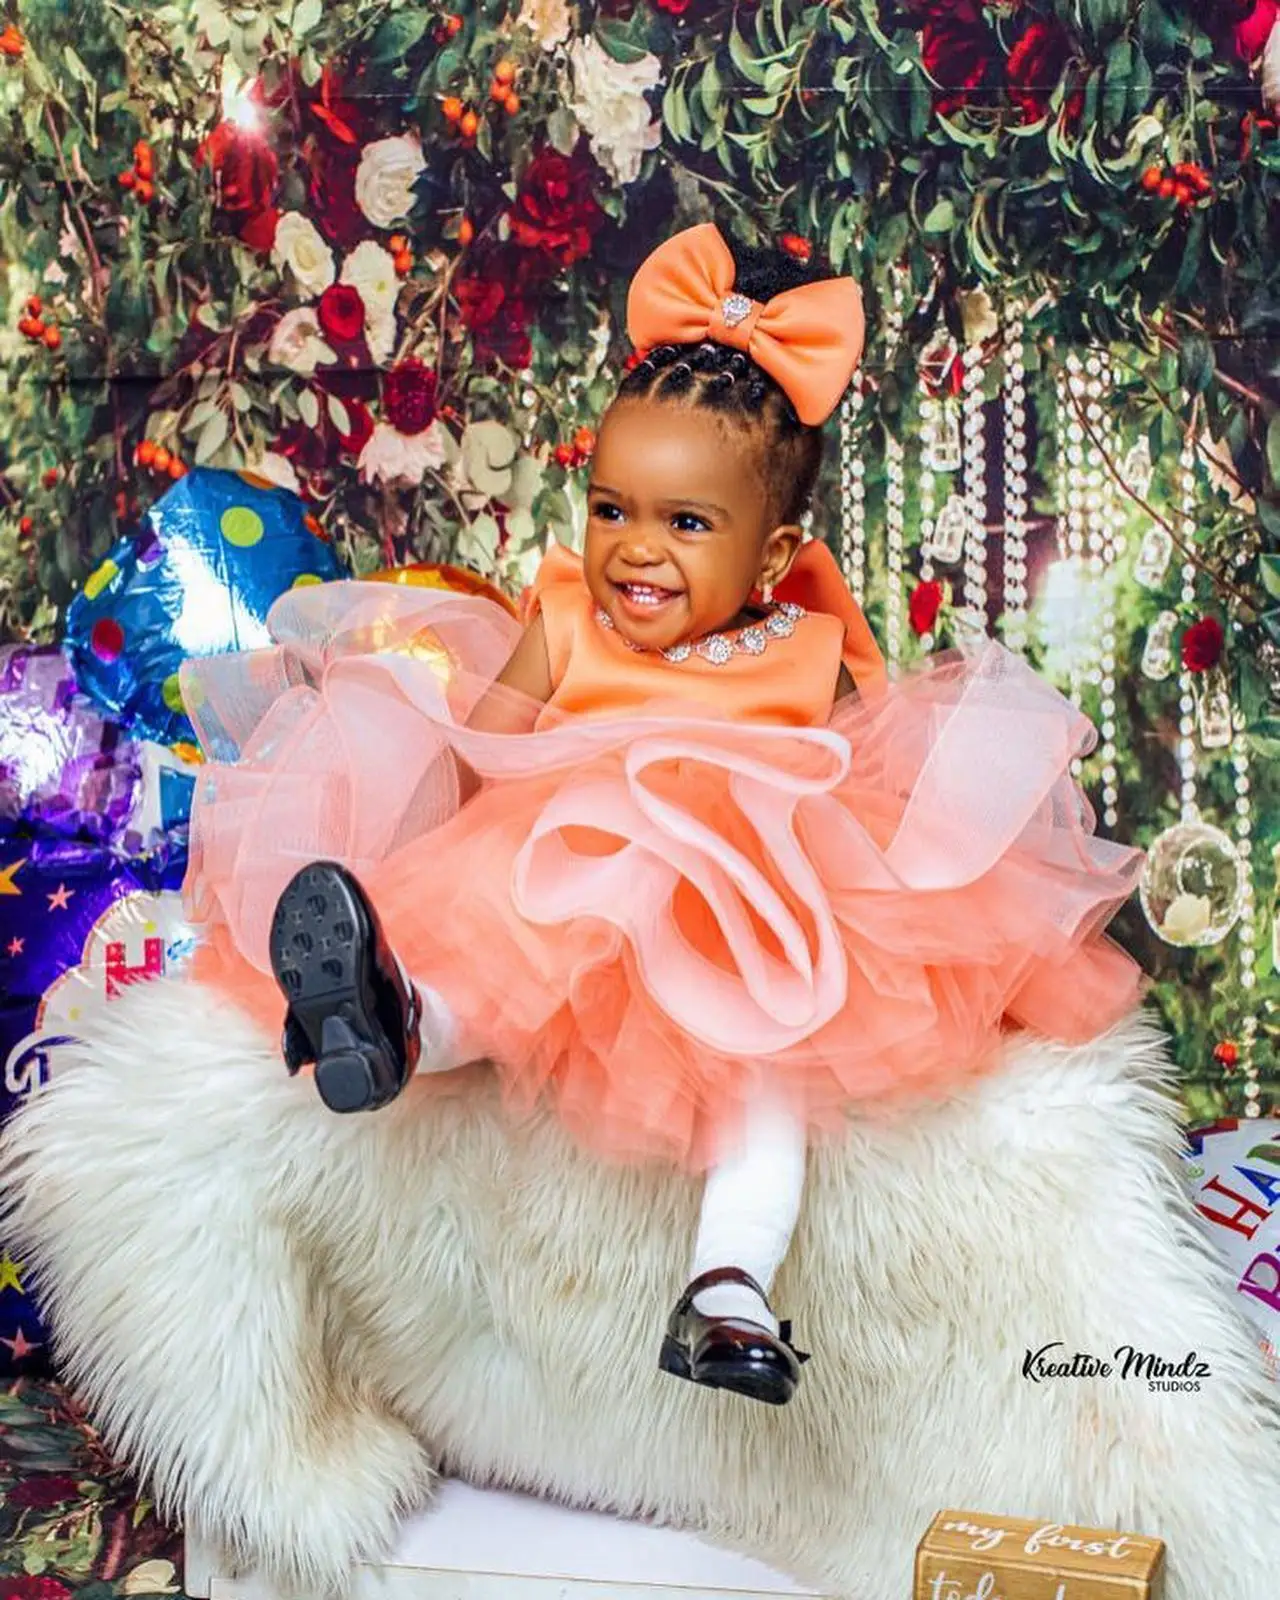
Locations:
column 752, row 1195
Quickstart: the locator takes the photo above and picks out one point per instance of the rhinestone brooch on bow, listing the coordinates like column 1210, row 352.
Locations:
column 720, row 648
column 735, row 308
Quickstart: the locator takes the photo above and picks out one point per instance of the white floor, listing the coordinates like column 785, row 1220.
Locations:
column 489, row 1545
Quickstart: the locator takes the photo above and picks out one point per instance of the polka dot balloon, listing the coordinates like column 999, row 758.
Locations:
column 197, row 579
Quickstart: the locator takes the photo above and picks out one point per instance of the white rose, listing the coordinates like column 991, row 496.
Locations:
column 392, row 457
column 276, row 469
column 1186, row 919
column 547, row 20
column 608, row 100
column 299, row 247
column 298, row 343
column 488, row 457
column 385, row 178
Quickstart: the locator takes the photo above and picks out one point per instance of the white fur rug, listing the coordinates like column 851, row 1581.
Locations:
column 288, row 1320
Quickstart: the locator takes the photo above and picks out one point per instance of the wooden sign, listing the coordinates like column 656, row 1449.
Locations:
column 967, row 1555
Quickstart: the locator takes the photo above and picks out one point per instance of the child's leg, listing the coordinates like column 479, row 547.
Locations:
column 749, row 1210
column 352, row 1009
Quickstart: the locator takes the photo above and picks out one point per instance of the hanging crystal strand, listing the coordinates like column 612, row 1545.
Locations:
column 1245, row 928
column 1113, row 541
column 1015, row 486
column 1095, row 513
column 1186, row 696
column 927, row 484
column 853, row 493
column 895, row 500
column 975, row 486
column 1072, row 397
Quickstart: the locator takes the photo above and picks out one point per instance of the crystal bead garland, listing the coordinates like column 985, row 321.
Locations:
column 926, row 486
column 1071, row 459
column 1015, row 486
column 1244, row 848
column 1113, row 547
column 975, row 484
column 895, row 501
column 1186, row 696
column 853, row 493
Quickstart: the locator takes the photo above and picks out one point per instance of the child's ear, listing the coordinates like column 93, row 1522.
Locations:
column 780, row 550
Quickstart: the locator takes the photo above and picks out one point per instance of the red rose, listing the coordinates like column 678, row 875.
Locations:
column 555, row 211
column 923, row 605
column 1202, row 645
column 1250, row 34
column 493, row 304
column 409, row 396
column 677, row 8
column 797, row 247
column 1035, row 68
column 24, row 1587
column 246, row 172
column 40, row 1494
column 341, row 312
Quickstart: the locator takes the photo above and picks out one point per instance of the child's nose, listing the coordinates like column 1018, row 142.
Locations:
column 642, row 546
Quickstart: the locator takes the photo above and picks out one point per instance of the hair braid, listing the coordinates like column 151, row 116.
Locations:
column 727, row 381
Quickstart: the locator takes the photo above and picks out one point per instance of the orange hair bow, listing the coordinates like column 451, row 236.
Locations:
column 809, row 340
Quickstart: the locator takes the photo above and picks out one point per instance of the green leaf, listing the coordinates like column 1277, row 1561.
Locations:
column 339, row 415
column 675, row 113
column 562, row 130
column 309, row 407
column 398, row 35
column 1269, row 572
column 306, row 14
column 1195, row 363
column 1273, row 448
column 709, row 87
column 1115, row 91
column 740, row 55
column 941, row 218
column 617, row 39
column 212, row 437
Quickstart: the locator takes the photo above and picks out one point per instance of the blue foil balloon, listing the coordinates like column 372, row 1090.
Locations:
column 197, row 580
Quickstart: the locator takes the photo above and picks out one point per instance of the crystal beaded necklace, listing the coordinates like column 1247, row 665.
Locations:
column 719, row 648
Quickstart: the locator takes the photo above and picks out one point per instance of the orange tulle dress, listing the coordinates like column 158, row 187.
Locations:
column 680, row 878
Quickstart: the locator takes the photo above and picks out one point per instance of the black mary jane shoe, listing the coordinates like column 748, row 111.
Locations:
column 350, row 1010
column 730, row 1352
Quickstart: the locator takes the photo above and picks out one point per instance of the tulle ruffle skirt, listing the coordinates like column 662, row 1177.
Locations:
column 643, row 920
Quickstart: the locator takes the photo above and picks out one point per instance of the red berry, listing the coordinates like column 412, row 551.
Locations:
column 396, row 243
column 35, row 305
column 146, row 453
column 1226, row 1053
column 504, row 72
column 452, row 109
column 466, row 231
column 403, row 263
column 512, row 104
column 454, row 25
column 127, row 179
column 468, row 124
column 564, row 455
column 584, row 441
column 1167, row 188
column 50, row 478
column 25, row 527
column 52, row 338
column 160, row 461
column 145, row 191
column 176, row 468
column 1151, row 179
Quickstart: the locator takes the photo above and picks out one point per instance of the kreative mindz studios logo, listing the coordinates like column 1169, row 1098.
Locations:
column 1128, row 1363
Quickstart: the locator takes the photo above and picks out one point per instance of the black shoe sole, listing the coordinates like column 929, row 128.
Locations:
column 756, row 1380
column 323, row 950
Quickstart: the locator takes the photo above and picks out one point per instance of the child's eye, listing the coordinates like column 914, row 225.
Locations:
column 606, row 510
column 690, row 522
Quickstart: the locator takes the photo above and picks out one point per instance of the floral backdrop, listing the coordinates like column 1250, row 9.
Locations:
column 377, row 252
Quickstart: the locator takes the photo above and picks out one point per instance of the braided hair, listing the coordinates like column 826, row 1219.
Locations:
column 721, row 379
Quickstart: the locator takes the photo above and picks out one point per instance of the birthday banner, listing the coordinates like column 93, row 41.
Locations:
column 1235, row 1170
